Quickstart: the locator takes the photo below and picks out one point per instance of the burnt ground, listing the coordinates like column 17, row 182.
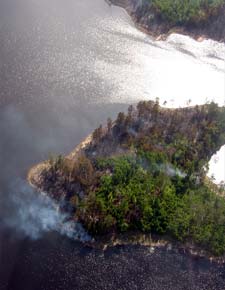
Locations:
column 55, row 263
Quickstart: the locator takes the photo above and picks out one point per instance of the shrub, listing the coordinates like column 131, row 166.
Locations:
column 184, row 11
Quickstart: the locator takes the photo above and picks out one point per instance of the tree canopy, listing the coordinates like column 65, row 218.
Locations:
column 184, row 11
column 147, row 171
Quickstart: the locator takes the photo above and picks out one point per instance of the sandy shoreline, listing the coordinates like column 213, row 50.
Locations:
column 34, row 173
column 141, row 22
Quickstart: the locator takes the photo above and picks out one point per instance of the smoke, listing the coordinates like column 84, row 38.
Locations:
column 137, row 3
column 166, row 168
column 132, row 132
column 172, row 171
column 37, row 214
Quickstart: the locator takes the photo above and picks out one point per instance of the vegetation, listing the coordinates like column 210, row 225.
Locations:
column 148, row 199
column 186, row 11
column 147, row 171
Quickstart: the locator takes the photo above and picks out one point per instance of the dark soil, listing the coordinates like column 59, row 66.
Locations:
column 64, row 264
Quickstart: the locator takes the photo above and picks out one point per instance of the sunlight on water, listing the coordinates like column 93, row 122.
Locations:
column 180, row 71
column 176, row 70
column 64, row 53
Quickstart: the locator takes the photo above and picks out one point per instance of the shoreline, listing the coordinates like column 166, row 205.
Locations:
column 161, row 30
column 34, row 173
column 72, row 180
column 150, row 241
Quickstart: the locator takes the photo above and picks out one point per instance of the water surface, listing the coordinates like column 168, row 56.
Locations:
column 65, row 66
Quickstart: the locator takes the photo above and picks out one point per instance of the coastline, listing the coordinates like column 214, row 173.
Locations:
column 34, row 173
column 159, row 29
column 151, row 241
column 75, row 178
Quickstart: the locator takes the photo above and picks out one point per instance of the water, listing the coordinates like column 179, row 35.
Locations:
column 65, row 66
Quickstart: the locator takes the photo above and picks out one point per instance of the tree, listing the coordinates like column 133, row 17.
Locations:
column 83, row 171
column 130, row 110
column 109, row 124
column 98, row 134
column 120, row 119
column 184, row 11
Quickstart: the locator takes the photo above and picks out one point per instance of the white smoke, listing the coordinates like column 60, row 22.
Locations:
column 166, row 168
column 172, row 171
column 36, row 214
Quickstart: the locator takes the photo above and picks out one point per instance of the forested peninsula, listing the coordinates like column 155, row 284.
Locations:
column 198, row 18
column 146, row 172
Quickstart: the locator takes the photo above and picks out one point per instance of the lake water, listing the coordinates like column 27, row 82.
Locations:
column 65, row 66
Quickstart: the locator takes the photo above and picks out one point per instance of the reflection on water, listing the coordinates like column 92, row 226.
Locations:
column 59, row 50
column 65, row 66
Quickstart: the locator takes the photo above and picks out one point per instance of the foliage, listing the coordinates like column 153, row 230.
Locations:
column 183, row 11
column 128, row 196
column 133, row 197
column 201, row 217
column 155, row 179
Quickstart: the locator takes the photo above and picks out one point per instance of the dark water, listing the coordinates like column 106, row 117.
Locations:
column 65, row 66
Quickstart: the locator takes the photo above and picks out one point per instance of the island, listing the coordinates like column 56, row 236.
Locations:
column 199, row 19
column 145, row 172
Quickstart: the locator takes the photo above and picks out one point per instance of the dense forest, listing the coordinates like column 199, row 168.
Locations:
column 184, row 11
column 146, row 171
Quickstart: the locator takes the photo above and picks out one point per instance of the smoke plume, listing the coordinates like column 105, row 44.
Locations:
column 37, row 214
column 172, row 171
